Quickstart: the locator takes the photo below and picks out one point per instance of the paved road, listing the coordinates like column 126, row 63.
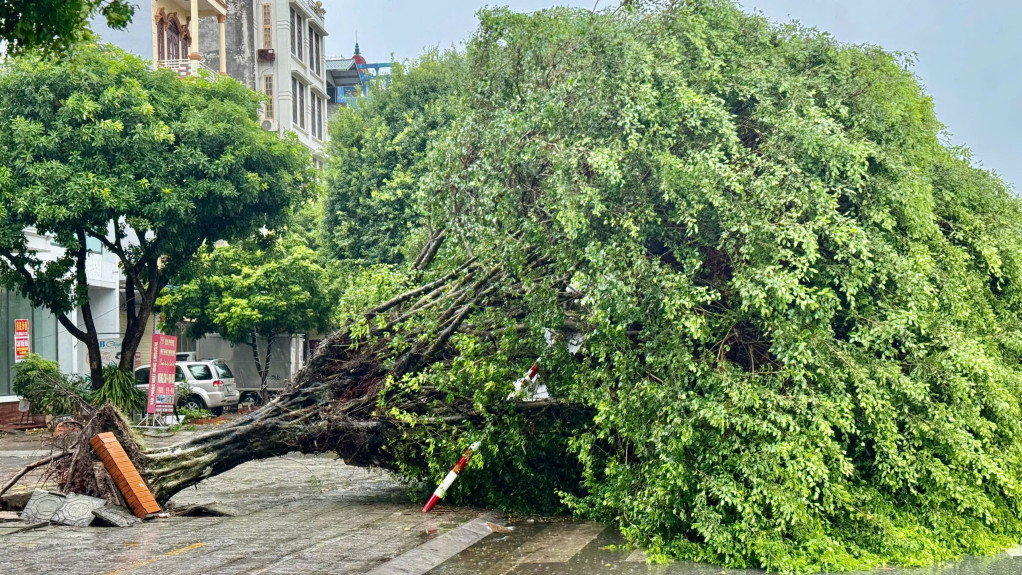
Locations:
column 310, row 515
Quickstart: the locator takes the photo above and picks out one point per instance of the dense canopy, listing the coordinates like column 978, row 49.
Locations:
column 800, row 307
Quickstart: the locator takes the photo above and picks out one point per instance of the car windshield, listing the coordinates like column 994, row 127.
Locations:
column 142, row 376
column 223, row 370
column 200, row 371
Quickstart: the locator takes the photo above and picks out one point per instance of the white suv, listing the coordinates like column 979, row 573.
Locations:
column 211, row 381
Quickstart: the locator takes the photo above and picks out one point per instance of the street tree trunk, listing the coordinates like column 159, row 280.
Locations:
column 332, row 405
column 262, row 364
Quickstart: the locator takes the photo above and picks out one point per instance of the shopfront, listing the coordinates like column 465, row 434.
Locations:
column 42, row 337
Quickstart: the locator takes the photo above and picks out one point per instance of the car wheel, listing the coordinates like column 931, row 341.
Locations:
column 193, row 403
column 250, row 397
column 217, row 411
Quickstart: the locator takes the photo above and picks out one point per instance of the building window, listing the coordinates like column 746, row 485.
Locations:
column 319, row 117
column 301, row 104
column 313, row 115
column 297, row 24
column 268, row 90
column 315, row 51
column 294, row 101
column 161, row 39
column 293, row 30
column 268, row 26
column 173, row 40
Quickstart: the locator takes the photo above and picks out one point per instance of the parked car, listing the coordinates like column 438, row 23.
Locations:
column 211, row 381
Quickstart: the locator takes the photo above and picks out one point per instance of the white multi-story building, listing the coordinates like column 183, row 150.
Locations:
column 276, row 47
column 272, row 46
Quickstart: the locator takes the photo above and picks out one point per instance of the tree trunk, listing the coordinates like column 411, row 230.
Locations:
column 136, row 328
column 332, row 405
column 262, row 365
column 332, row 414
column 91, row 335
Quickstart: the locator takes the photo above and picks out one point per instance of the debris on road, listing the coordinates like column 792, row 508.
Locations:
column 115, row 516
column 128, row 480
column 41, row 506
column 77, row 510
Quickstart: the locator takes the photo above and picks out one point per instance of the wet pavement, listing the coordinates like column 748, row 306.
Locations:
column 312, row 514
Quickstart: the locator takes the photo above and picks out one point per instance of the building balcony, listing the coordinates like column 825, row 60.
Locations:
column 203, row 7
column 176, row 33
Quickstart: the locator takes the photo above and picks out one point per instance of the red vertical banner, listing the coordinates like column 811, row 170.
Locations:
column 161, row 374
column 21, row 340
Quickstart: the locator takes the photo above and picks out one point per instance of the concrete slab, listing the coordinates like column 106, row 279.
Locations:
column 76, row 510
column 116, row 516
column 41, row 506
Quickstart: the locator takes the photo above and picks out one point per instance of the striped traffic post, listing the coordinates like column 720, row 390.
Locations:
column 451, row 476
column 574, row 343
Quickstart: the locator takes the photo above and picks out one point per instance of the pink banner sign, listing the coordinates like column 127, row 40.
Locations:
column 161, row 374
column 21, row 340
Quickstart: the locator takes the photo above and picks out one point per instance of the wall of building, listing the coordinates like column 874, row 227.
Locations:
column 240, row 40
column 285, row 360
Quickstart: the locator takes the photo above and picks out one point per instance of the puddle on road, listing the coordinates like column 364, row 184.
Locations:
column 543, row 549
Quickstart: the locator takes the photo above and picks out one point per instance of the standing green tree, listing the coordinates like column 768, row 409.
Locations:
column 56, row 24
column 151, row 165
column 376, row 152
column 264, row 289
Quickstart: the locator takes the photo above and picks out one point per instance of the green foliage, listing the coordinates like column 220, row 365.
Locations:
column 802, row 311
column 119, row 390
column 266, row 286
column 56, row 25
column 153, row 166
column 184, row 391
column 48, row 390
column 376, row 151
column 188, row 415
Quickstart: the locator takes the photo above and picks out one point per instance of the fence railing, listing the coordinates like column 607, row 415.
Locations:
column 185, row 66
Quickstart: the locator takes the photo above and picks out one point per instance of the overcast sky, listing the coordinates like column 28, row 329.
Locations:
column 968, row 51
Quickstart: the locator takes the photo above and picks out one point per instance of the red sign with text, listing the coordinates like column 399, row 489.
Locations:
column 21, row 339
column 161, row 374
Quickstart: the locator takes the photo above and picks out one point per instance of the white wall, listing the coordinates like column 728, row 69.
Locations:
column 241, row 362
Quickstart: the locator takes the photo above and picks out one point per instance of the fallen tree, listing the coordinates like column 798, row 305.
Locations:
column 801, row 311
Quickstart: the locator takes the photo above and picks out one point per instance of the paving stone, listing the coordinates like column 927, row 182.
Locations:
column 41, row 506
column 76, row 510
column 116, row 516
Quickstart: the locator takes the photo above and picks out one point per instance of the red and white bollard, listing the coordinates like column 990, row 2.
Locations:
column 530, row 377
column 451, row 476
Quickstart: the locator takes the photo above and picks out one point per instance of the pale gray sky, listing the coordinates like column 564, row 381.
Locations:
column 967, row 50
